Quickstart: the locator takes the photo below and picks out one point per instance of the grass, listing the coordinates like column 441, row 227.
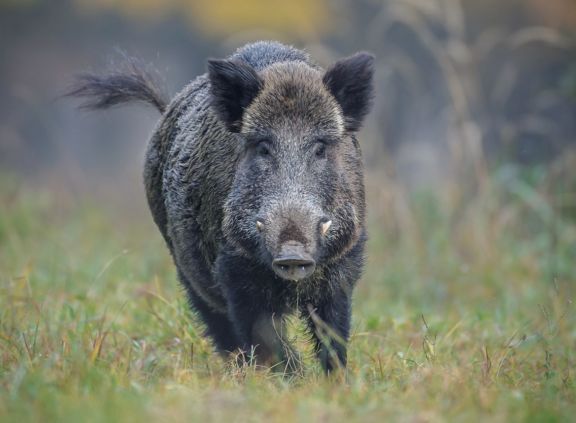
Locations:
column 465, row 313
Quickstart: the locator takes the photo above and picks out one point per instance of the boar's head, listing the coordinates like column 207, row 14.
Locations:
column 297, row 200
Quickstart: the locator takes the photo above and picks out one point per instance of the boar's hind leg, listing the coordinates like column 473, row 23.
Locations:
column 329, row 323
column 218, row 325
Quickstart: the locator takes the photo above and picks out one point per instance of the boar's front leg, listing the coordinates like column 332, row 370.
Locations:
column 263, row 335
column 218, row 325
column 328, row 312
column 329, row 323
column 257, row 319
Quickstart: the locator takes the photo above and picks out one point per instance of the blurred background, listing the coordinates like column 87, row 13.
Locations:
column 476, row 101
column 466, row 309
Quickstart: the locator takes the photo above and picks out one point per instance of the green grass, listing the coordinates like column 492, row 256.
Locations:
column 464, row 313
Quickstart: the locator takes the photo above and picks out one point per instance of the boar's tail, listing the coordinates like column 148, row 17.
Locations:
column 133, row 82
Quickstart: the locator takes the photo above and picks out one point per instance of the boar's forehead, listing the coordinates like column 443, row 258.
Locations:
column 294, row 100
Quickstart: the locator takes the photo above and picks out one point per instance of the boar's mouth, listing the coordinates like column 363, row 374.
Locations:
column 293, row 262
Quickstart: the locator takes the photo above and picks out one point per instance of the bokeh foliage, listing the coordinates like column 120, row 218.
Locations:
column 300, row 19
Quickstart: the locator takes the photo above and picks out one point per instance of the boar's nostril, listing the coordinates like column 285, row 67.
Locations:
column 293, row 268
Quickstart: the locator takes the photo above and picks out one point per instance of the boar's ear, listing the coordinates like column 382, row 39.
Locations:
column 234, row 86
column 350, row 82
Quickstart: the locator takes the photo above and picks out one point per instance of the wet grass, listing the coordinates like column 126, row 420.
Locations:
column 464, row 313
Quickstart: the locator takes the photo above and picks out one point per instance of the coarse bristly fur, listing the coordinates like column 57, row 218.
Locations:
column 254, row 177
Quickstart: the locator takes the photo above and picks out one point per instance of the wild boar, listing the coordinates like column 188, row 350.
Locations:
column 254, row 177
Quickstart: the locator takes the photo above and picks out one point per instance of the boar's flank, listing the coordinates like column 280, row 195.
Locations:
column 254, row 177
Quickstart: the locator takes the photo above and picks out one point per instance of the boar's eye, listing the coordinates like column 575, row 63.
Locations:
column 262, row 150
column 320, row 150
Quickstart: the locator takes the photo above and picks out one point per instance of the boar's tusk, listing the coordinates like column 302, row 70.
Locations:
column 259, row 225
column 325, row 227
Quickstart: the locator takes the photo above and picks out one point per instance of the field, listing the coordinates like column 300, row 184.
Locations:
column 464, row 313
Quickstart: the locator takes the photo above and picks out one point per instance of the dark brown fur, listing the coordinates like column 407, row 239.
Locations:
column 265, row 136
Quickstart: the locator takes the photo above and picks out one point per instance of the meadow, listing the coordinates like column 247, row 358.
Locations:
column 464, row 313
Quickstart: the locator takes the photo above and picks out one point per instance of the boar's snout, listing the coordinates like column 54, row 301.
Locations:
column 293, row 262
